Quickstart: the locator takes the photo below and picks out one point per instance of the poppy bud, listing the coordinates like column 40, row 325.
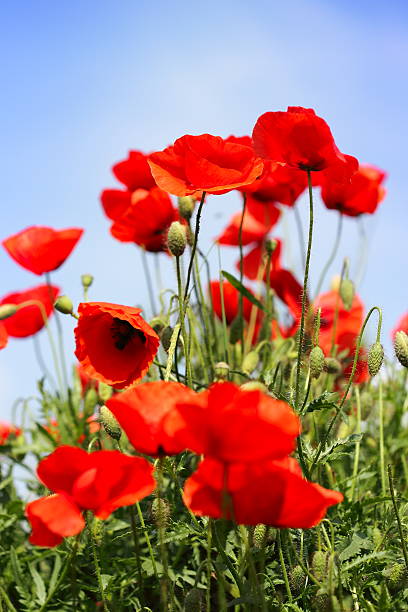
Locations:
column 270, row 246
column 377, row 537
column 347, row 293
column 250, row 362
column 259, row 535
column 160, row 511
column 194, row 601
column 254, row 385
column 157, row 324
column 109, row 423
column 90, row 401
column 105, row 392
column 401, row 347
column 221, row 370
column 297, row 579
column 236, row 329
column 375, row 358
column 186, row 207
column 165, row 337
column 319, row 564
column 332, row 365
column 64, row 305
column 7, row 310
column 86, row 280
column 396, row 576
column 316, row 362
column 177, row 238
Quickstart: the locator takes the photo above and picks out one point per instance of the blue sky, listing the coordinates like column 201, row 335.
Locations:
column 84, row 82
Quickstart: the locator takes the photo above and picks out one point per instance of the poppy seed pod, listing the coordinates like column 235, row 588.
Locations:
column 250, row 362
column 297, row 579
column 186, row 207
column 332, row 365
column 64, row 305
column 110, row 423
column 7, row 310
column 375, row 358
column 177, row 238
column 347, row 292
column 86, row 280
column 221, row 370
column 401, row 347
column 316, row 362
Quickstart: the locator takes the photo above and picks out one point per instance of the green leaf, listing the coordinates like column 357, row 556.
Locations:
column 17, row 572
column 325, row 401
column 357, row 543
column 337, row 444
column 240, row 287
column 39, row 585
column 55, row 573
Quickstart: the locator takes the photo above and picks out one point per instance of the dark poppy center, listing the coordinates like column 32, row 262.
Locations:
column 122, row 333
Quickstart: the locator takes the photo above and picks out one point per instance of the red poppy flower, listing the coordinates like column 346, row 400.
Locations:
column 141, row 411
column 114, row 343
column 253, row 229
column 52, row 519
column 402, row 325
column 255, row 258
column 272, row 493
column 361, row 194
column 7, row 430
column 204, row 163
column 278, row 183
column 134, row 172
column 348, row 325
column 87, row 382
column 42, row 249
column 28, row 320
column 101, row 481
column 3, row 336
column 144, row 220
column 231, row 301
column 230, row 424
column 298, row 138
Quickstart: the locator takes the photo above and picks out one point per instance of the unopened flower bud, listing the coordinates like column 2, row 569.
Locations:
column 250, row 362
column 109, row 423
column 177, row 238
column 7, row 310
column 194, row 601
column 160, row 511
column 105, row 392
column 297, row 579
column 396, row 576
column 259, row 535
column 157, row 324
column 347, row 293
column 270, row 246
column 86, row 280
column 377, row 537
column 165, row 337
column 332, row 365
column 375, row 358
column 401, row 347
column 186, row 207
column 236, row 329
column 321, row 601
column 221, row 370
column 64, row 305
column 254, row 385
column 319, row 564
column 316, row 362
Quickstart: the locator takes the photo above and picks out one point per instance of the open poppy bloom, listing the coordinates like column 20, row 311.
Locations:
column 3, row 336
column 230, row 424
column 278, row 183
column 134, row 172
column 204, row 163
column 253, row 229
column 114, row 344
column 42, row 249
column 231, row 302
column 141, row 410
column 7, row 430
column 361, row 194
column 298, row 138
column 28, row 320
column 101, row 482
column 272, row 493
column 144, row 219
column 402, row 325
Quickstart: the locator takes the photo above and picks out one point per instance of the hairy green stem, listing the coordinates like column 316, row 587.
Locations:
column 96, row 563
column 332, row 254
column 241, row 273
column 182, row 307
column 397, row 516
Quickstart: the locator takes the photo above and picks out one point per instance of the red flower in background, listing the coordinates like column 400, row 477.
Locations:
column 278, row 183
column 142, row 217
column 231, row 301
column 230, row 424
column 402, row 325
column 134, row 172
column 272, row 493
column 42, row 249
column 87, row 382
column 297, row 138
column 204, row 163
column 360, row 195
column 101, row 481
column 7, row 430
column 114, row 344
column 254, row 228
column 141, row 411
column 3, row 336
column 28, row 320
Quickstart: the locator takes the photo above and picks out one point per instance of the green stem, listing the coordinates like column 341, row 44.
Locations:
column 394, row 503
column 357, row 451
column 209, row 567
column 96, row 563
column 381, row 433
column 283, row 567
column 165, row 581
column 194, row 247
column 147, row 538
column 182, row 308
column 332, row 254
column 137, row 552
column 61, row 578
column 241, row 272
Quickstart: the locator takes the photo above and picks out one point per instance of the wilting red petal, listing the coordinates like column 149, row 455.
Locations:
column 42, row 249
column 52, row 519
column 114, row 343
column 204, row 163
column 28, row 320
column 141, row 410
column 234, row 425
column 272, row 493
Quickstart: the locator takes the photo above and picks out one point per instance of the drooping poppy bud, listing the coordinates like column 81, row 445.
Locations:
column 316, row 362
column 64, row 305
column 177, row 238
column 221, row 370
column 347, row 292
column 401, row 347
column 375, row 358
